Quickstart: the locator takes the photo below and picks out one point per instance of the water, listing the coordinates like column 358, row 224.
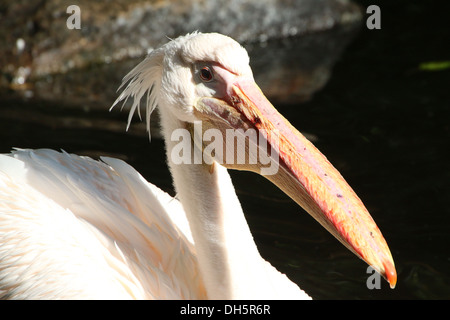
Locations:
column 380, row 120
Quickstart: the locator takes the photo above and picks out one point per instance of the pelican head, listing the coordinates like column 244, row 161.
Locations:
column 207, row 78
column 182, row 71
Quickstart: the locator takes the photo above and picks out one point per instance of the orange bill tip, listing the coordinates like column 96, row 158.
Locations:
column 390, row 273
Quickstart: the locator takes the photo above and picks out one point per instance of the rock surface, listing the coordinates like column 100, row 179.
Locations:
column 41, row 57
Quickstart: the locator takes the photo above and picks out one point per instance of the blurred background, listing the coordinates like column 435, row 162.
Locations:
column 375, row 102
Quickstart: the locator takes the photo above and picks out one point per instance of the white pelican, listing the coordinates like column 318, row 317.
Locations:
column 72, row 227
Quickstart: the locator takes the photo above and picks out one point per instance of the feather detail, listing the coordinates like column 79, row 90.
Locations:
column 144, row 79
column 62, row 214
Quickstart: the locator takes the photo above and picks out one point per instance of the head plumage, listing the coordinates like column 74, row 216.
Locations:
column 145, row 78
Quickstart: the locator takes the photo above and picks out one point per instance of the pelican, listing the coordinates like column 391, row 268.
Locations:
column 76, row 228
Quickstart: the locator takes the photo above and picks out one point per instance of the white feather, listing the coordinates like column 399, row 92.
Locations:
column 63, row 214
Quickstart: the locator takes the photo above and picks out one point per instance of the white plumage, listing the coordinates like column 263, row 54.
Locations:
column 72, row 227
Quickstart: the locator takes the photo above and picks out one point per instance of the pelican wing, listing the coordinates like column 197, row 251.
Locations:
column 90, row 229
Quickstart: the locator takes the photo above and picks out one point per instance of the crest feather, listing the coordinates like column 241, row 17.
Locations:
column 144, row 79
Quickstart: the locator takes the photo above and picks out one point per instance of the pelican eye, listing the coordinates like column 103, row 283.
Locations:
column 206, row 74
